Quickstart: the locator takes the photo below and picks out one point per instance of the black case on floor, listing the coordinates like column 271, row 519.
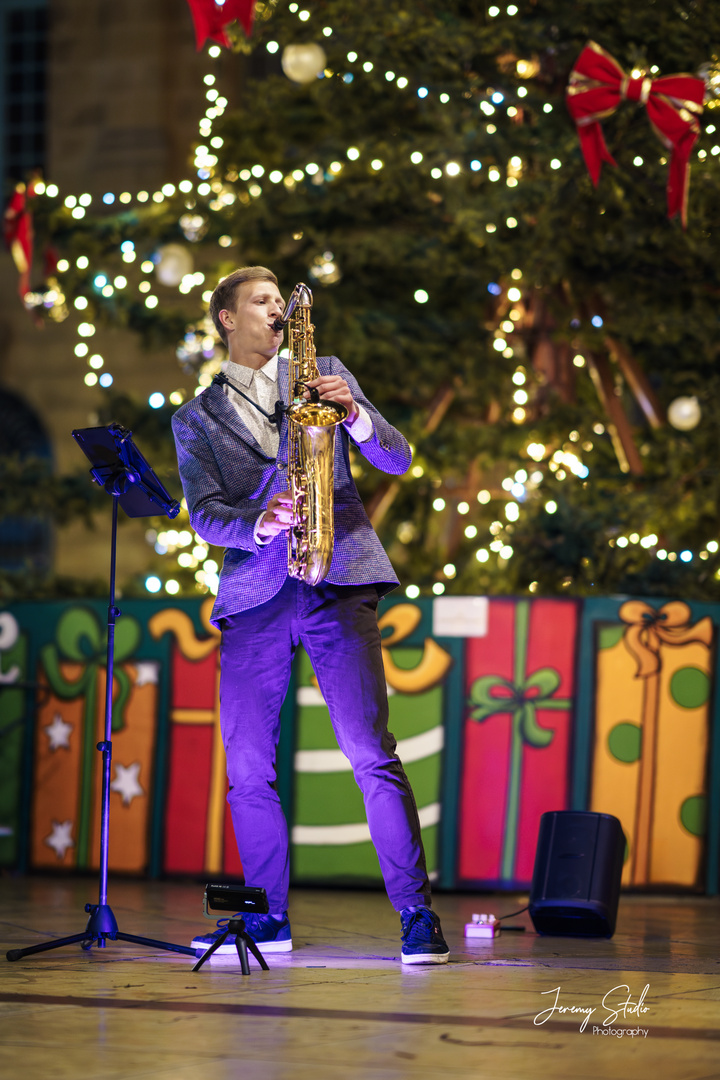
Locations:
column 576, row 879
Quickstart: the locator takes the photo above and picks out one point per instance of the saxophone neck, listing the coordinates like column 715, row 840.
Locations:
column 301, row 296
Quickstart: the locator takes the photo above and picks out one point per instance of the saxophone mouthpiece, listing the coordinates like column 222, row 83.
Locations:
column 279, row 324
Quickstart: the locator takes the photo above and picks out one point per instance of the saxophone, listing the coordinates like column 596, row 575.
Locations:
column 311, row 448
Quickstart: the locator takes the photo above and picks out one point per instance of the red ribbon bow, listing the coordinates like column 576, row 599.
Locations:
column 210, row 17
column 18, row 232
column 674, row 104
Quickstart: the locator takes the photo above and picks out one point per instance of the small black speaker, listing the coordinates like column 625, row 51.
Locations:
column 576, row 878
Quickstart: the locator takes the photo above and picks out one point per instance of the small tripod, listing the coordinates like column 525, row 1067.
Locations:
column 243, row 942
column 120, row 468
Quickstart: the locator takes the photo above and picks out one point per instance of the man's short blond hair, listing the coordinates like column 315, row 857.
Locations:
column 225, row 295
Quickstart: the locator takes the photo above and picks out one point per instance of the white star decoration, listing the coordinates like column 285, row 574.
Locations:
column 146, row 671
column 126, row 782
column 58, row 732
column 60, row 839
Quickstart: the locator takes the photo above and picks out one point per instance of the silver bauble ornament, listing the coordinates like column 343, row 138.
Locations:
column 173, row 262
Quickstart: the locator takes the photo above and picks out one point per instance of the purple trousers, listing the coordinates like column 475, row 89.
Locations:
column 337, row 625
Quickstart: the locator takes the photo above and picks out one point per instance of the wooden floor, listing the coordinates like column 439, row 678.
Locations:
column 342, row 1006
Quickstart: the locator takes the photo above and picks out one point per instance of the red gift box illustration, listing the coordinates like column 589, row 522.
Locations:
column 519, row 687
column 199, row 835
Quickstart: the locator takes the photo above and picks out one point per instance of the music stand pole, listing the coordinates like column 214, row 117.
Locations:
column 107, row 744
column 102, row 915
column 127, row 468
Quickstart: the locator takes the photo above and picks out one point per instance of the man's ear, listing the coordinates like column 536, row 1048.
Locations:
column 227, row 319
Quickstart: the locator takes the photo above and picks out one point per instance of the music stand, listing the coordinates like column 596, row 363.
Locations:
column 119, row 468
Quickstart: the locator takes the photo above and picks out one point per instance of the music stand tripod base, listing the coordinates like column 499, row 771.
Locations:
column 243, row 942
column 101, row 925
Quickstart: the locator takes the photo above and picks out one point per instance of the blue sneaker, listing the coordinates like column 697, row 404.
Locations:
column 422, row 939
column 269, row 934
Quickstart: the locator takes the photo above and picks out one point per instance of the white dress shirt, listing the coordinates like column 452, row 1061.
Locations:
column 262, row 386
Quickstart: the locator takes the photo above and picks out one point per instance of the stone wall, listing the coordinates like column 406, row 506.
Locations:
column 125, row 93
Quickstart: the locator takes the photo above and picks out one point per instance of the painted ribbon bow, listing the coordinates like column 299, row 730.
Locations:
column 674, row 104
column 522, row 700
column 81, row 638
column 651, row 628
column 435, row 662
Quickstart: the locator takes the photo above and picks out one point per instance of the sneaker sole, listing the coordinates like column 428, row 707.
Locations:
column 274, row 946
column 231, row 950
column 203, row 946
column 426, row 958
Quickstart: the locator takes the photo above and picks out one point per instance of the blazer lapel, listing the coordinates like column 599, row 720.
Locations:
column 217, row 404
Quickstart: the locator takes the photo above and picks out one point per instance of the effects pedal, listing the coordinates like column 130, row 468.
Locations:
column 482, row 928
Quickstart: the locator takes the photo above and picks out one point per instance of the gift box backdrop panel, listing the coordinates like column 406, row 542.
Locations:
column 131, row 773
column 66, row 793
column 330, row 836
column 65, row 808
column 423, row 658
column 653, row 695
column 58, row 783
column 198, row 834
column 519, row 681
column 56, row 787
column 186, row 813
column 13, row 707
column 679, row 814
column 194, row 731
column 615, row 775
column 482, row 694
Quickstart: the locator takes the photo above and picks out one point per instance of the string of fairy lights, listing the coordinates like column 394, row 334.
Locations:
column 209, row 193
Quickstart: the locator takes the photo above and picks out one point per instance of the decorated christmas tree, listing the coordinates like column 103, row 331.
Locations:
column 548, row 344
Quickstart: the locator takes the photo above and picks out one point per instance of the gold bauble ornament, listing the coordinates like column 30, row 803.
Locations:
column 684, row 413
column 303, row 63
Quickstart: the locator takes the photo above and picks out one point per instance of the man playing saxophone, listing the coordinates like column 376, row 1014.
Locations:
column 232, row 445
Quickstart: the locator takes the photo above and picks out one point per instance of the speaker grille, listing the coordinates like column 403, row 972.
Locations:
column 571, row 856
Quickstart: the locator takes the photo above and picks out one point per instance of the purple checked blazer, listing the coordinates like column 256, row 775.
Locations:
column 228, row 479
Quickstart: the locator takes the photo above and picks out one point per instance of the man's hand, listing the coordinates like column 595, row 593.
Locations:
column 334, row 388
column 277, row 517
